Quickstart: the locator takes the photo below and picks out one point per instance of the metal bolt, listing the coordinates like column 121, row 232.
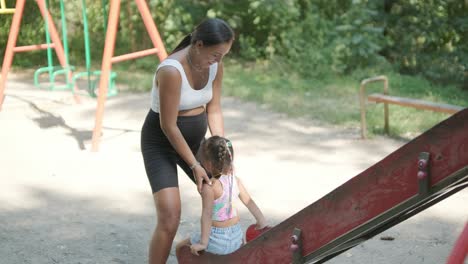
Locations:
column 294, row 247
column 422, row 175
column 422, row 164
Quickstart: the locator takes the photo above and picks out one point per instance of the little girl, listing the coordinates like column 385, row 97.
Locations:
column 220, row 229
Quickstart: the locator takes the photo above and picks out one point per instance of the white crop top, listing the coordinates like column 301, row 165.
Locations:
column 189, row 97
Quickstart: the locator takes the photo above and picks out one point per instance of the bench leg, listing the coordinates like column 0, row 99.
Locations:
column 386, row 127
column 362, row 101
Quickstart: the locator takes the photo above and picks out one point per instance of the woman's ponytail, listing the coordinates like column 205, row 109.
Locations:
column 184, row 43
column 210, row 32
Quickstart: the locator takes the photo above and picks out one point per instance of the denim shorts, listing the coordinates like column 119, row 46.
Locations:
column 222, row 241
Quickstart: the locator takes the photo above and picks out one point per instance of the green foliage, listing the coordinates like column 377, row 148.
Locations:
column 358, row 38
column 32, row 32
column 308, row 38
column 305, row 47
column 334, row 99
column 429, row 38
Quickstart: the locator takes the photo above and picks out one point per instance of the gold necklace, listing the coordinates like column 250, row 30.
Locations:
column 189, row 60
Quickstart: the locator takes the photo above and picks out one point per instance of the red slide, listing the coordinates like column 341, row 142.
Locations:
column 460, row 250
column 421, row 173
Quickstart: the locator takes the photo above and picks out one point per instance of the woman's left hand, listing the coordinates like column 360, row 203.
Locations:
column 196, row 248
column 200, row 176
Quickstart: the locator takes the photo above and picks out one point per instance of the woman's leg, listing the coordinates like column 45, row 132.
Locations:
column 167, row 203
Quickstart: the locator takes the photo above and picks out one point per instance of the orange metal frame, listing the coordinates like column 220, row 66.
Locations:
column 108, row 58
column 108, row 55
column 13, row 35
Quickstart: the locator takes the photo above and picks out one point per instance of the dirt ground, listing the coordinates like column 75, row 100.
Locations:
column 62, row 203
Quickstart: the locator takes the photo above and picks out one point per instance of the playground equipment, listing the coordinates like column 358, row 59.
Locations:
column 421, row 173
column 93, row 76
column 387, row 99
column 106, row 75
column 108, row 57
column 13, row 35
column 4, row 9
column 460, row 250
column 54, row 71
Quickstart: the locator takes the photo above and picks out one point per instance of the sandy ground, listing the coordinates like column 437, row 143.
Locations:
column 61, row 203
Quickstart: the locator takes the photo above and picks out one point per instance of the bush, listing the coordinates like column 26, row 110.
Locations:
column 310, row 38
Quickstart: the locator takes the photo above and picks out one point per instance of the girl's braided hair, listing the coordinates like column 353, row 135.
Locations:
column 219, row 153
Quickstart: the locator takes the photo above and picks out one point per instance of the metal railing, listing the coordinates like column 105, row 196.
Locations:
column 4, row 10
column 363, row 101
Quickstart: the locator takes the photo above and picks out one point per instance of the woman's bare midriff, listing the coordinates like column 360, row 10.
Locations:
column 226, row 223
column 192, row 112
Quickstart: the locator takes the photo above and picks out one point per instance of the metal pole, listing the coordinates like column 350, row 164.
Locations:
column 50, row 62
column 53, row 33
column 151, row 28
column 362, row 101
column 58, row 44
column 9, row 52
column 114, row 13
column 4, row 10
column 64, row 32
column 387, row 123
column 104, row 5
column 86, row 41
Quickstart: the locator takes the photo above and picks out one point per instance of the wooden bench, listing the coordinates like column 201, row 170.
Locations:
column 387, row 99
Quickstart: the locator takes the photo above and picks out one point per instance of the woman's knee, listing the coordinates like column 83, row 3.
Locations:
column 168, row 209
column 169, row 221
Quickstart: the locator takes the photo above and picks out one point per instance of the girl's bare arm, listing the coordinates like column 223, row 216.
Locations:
column 207, row 210
column 251, row 205
column 207, row 203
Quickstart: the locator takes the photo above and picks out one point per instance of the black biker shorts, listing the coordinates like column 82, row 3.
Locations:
column 160, row 157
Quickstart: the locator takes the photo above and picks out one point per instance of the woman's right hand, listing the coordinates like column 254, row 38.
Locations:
column 200, row 175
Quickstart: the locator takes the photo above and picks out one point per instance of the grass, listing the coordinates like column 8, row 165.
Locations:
column 334, row 99
column 329, row 99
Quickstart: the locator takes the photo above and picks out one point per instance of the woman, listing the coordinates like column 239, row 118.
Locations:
column 186, row 100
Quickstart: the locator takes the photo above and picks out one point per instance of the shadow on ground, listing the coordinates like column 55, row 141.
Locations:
column 64, row 228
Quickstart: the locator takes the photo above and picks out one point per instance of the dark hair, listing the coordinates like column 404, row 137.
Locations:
column 218, row 151
column 211, row 31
